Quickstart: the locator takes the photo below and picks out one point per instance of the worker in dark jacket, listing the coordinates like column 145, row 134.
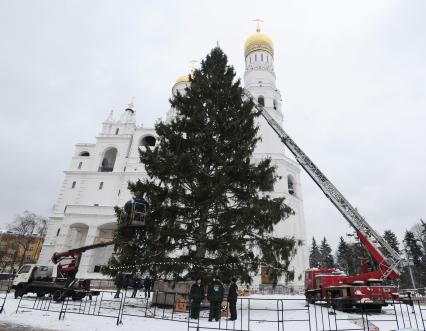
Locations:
column 119, row 280
column 196, row 295
column 147, row 283
column 215, row 294
column 232, row 299
column 136, row 284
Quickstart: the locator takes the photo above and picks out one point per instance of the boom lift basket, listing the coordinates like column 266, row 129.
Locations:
column 134, row 213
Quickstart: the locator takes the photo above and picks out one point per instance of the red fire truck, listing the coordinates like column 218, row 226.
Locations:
column 367, row 289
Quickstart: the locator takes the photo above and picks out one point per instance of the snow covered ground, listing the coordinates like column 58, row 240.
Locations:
column 257, row 312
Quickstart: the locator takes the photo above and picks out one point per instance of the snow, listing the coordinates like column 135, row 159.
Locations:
column 263, row 316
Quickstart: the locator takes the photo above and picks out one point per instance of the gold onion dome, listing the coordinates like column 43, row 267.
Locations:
column 182, row 79
column 258, row 42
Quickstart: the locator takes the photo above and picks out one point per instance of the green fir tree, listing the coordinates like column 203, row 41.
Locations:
column 415, row 256
column 327, row 260
column 392, row 240
column 344, row 257
column 209, row 212
column 314, row 255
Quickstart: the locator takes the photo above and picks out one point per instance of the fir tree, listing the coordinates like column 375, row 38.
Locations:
column 345, row 258
column 413, row 247
column 327, row 260
column 314, row 255
column 209, row 213
column 422, row 234
column 392, row 240
column 416, row 256
column 423, row 243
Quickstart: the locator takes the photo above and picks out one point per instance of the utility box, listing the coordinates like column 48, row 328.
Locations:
column 244, row 293
column 224, row 309
column 180, row 305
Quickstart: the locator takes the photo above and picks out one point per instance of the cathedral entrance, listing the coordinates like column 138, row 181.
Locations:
column 77, row 234
column 101, row 256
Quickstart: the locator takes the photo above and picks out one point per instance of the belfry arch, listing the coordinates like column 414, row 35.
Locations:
column 108, row 160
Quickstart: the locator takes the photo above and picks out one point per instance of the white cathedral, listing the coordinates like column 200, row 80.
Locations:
column 99, row 173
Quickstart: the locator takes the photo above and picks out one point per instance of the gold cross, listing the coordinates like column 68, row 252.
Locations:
column 258, row 21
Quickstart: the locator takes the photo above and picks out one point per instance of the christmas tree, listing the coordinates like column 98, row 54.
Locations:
column 210, row 211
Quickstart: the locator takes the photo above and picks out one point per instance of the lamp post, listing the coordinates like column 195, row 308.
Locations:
column 409, row 263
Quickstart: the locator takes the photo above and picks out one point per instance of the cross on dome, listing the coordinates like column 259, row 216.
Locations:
column 258, row 21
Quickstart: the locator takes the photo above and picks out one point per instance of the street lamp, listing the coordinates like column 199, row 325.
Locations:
column 409, row 262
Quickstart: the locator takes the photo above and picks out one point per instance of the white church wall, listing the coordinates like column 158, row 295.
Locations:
column 82, row 212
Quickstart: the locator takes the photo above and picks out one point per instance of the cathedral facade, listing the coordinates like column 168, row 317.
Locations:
column 99, row 172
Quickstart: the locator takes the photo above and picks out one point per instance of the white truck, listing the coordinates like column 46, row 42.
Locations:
column 39, row 279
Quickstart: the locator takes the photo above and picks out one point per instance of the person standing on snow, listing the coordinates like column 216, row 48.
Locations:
column 232, row 299
column 147, row 283
column 215, row 294
column 196, row 295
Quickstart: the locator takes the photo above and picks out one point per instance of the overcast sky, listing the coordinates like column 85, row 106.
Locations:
column 352, row 75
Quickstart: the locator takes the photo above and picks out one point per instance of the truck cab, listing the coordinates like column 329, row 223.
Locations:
column 30, row 272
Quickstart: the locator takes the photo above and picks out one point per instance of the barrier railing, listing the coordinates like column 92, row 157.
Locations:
column 294, row 314
column 164, row 308
column 254, row 313
column 106, row 304
column 5, row 285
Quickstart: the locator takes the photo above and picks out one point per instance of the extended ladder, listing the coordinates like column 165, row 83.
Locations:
column 331, row 192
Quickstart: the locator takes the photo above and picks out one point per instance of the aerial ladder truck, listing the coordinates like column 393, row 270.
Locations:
column 366, row 289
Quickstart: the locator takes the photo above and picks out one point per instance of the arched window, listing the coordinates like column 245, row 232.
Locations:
column 84, row 153
column 73, row 184
column 275, row 104
column 261, row 57
column 108, row 161
column 290, row 184
column 261, row 101
column 148, row 141
column 79, row 165
column 255, row 57
column 101, row 185
column 117, row 130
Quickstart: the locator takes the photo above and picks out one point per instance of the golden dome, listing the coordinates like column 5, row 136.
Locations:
column 182, row 79
column 258, row 42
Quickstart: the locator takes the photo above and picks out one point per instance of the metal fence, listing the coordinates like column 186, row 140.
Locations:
column 5, row 285
column 143, row 307
column 254, row 313
column 295, row 314
column 106, row 304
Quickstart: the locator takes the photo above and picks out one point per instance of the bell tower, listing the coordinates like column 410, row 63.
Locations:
column 259, row 76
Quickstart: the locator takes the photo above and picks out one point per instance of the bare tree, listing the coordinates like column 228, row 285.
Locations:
column 25, row 227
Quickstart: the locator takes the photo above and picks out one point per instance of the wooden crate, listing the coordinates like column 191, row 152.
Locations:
column 224, row 309
column 180, row 305
column 244, row 293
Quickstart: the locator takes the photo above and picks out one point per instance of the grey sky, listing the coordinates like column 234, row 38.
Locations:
column 352, row 75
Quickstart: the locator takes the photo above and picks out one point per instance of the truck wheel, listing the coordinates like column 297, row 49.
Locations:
column 310, row 299
column 77, row 297
column 57, row 296
column 19, row 292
